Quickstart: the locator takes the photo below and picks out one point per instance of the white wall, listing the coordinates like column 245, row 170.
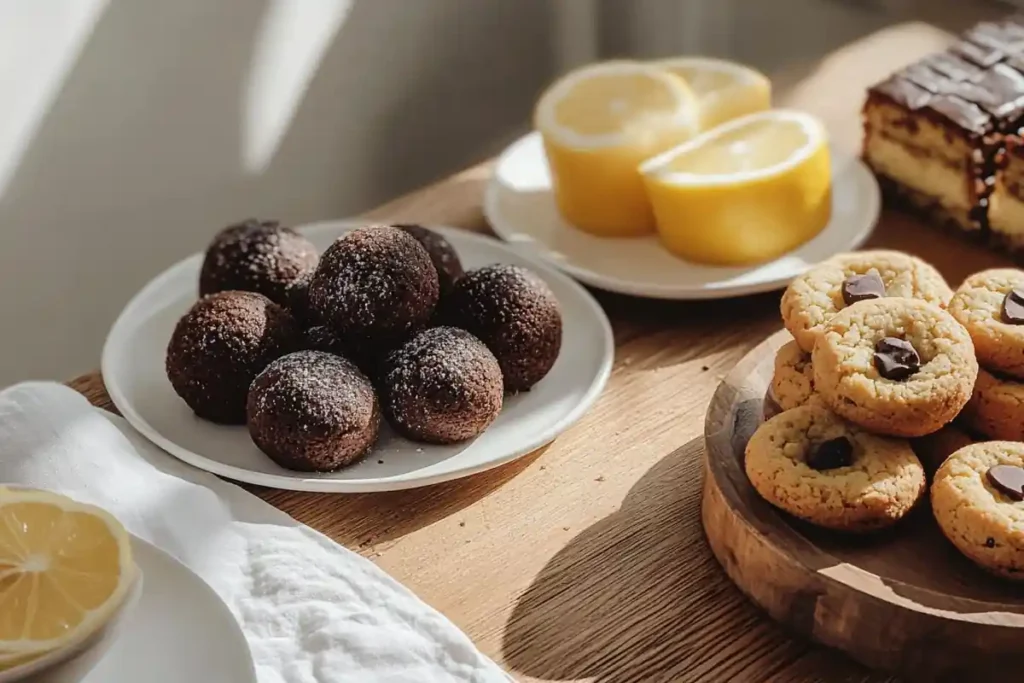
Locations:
column 121, row 156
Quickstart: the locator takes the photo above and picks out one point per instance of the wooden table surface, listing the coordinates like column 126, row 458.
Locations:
column 586, row 560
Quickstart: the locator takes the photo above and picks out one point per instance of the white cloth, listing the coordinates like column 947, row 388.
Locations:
column 313, row 611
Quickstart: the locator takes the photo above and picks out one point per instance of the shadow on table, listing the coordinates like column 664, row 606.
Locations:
column 359, row 521
column 639, row 597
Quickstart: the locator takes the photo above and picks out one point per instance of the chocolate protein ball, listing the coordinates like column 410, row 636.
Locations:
column 297, row 301
column 366, row 355
column 441, row 386
column 515, row 314
column 313, row 412
column 375, row 283
column 257, row 256
column 442, row 255
column 219, row 347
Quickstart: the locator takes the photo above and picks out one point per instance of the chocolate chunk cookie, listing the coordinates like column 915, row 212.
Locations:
column 978, row 502
column 996, row 408
column 902, row 367
column 990, row 304
column 793, row 381
column 816, row 466
column 812, row 299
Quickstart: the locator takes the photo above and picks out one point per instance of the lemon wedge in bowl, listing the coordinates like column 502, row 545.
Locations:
column 598, row 124
column 745, row 192
column 725, row 90
column 65, row 571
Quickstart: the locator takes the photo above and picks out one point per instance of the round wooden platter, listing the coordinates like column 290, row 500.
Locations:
column 903, row 601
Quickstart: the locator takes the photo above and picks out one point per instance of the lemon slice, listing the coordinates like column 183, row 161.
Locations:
column 744, row 192
column 65, row 568
column 725, row 90
column 598, row 124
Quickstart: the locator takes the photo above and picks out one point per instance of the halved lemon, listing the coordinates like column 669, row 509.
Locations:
column 725, row 90
column 65, row 568
column 745, row 192
column 598, row 123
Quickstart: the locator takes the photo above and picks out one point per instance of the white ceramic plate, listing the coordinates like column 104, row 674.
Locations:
column 179, row 632
column 520, row 206
column 133, row 369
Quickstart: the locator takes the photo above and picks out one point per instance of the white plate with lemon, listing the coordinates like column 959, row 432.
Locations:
column 676, row 180
column 82, row 600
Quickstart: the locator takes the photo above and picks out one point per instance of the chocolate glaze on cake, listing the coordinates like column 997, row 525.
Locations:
column 375, row 283
column 515, row 314
column 442, row 386
column 257, row 256
column 442, row 254
column 313, row 412
column 219, row 347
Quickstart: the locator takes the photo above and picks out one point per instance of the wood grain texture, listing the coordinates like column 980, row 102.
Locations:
column 903, row 600
column 587, row 561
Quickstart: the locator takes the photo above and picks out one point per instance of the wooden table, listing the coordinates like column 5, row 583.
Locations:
column 586, row 560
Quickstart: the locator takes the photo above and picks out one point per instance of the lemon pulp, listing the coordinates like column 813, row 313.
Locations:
column 746, row 192
column 598, row 124
column 64, row 569
column 725, row 90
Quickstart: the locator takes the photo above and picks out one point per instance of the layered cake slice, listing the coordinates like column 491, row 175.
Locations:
column 943, row 134
column 932, row 151
column 1006, row 205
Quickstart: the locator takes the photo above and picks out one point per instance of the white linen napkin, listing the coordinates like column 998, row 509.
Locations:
column 313, row 611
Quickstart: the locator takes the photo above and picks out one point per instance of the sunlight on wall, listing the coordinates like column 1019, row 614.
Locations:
column 291, row 42
column 39, row 44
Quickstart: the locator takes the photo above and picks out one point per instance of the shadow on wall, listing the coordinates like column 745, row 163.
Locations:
column 175, row 119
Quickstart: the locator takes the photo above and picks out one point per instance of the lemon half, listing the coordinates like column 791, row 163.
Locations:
column 725, row 90
column 65, row 568
column 745, row 192
column 598, row 124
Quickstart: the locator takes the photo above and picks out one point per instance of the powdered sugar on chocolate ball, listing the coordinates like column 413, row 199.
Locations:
column 442, row 254
column 313, row 411
column 442, row 386
column 515, row 314
column 375, row 283
column 257, row 256
column 219, row 347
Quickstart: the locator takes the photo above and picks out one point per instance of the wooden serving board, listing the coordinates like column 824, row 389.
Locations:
column 904, row 601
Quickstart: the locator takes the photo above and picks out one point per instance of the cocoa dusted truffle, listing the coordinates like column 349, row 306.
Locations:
column 375, row 283
column 313, row 412
column 515, row 314
column 219, row 347
column 442, row 254
column 441, row 386
column 257, row 256
column 366, row 355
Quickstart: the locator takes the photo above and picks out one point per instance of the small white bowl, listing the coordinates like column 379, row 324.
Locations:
column 72, row 664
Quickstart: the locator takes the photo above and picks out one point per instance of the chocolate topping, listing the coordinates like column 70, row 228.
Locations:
column 862, row 287
column 896, row 359
column 1008, row 480
column 1013, row 307
column 831, row 454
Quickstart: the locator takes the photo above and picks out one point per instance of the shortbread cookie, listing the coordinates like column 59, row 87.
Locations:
column 990, row 304
column 902, row 367
column 978, row 502
column 933, row 449
column 793, row 381
column 816, row 466
column 812, row 299
column 996, row 408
